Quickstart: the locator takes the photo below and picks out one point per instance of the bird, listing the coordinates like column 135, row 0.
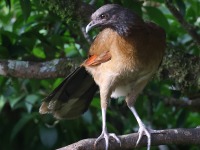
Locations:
column 122, row 59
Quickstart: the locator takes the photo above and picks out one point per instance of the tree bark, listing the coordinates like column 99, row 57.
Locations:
column 182, row 69
column 169, row 136
column 38, row 70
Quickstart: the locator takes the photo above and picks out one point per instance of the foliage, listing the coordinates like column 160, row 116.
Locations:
column 29, row 31
column 65, row 9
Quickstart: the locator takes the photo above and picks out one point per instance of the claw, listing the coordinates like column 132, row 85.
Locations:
column 116, row 138
column 143, row 131
column 106, row 136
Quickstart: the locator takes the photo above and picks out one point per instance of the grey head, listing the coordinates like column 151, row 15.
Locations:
column 116, row 17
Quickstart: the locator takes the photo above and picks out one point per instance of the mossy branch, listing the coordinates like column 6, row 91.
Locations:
column 181, row 68
column 69, row 10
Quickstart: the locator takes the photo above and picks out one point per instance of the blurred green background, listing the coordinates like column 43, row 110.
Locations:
column 30, row 31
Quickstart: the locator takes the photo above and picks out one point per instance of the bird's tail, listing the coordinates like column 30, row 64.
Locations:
column 72, row 97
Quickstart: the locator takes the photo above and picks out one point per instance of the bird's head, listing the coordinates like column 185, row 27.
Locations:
column 116, row 17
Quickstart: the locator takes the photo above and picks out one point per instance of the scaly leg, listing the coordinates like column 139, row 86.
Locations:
column 105, row 135
column 142, row 129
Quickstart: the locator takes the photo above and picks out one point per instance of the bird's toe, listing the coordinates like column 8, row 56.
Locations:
column 116, row 138
column 106, row 136
column 144, row 131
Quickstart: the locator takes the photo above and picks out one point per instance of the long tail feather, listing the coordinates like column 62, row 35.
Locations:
column 72, row 97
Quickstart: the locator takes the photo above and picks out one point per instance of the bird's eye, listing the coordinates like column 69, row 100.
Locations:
column 102, row 16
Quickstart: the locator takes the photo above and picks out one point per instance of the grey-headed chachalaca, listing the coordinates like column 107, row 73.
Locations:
column 121, row 61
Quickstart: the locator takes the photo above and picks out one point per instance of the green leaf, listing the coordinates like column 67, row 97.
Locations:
column 2, row 102
column 30, row 101
column 87, row 116
column 8, row 3
column 157, row 16
column 18, row 24
column 38, row 52
column 57, row 82
column 6, row 41
column 134, row 5
column 14, row 101
column 48, row 136
column 26, row 8
column 21, row 123
column 4, row 52
column 70, row 50
column 95, row 103
column 181, row 6
column 193, row 119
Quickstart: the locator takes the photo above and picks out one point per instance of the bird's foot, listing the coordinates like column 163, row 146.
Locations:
column 144, row 131
column 105, row 135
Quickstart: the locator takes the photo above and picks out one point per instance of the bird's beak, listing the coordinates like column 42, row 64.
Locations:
column 91, row 25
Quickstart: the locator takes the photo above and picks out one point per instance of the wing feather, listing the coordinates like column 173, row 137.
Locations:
column 94, row 60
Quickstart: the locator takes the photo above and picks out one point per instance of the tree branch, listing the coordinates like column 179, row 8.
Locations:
column 170, row 136
column 39, row 70
column 188, row 27
column 181, row 68
column 183, row 103
column 193, row 104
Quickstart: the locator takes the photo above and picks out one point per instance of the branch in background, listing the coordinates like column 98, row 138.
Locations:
column 70, row 9
column 85, row 10
column 171, row 136
column 188, row 27
column 181, row 68
column 39, row 70
column 193, row 104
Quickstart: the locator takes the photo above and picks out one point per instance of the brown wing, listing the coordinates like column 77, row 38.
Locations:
column 96, row 60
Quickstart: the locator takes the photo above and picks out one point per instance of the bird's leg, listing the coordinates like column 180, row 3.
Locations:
column 142, row 128
column 105, row 135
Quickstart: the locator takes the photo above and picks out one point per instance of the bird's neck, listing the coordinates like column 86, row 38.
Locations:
column 126, row 28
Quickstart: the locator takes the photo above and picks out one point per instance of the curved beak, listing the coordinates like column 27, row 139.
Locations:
column 91, row 25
